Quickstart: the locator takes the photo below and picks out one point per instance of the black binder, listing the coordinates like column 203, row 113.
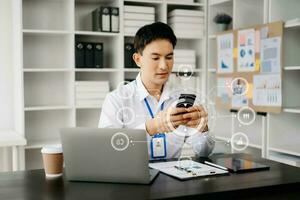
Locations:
column 128, row 55
column 98, row 55
column 89, row 55
column 114, row 19
column 105, row 19
column 79, row 55
column 96, row 19
column 129, row 51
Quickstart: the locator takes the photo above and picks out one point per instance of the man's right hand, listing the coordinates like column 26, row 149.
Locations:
column 166, row 121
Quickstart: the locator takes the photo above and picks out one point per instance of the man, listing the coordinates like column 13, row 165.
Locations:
column 146, row 103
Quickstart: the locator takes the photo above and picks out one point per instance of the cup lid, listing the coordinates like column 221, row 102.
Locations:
column 52, row 149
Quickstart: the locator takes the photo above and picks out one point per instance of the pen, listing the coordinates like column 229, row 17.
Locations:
column 215, row 165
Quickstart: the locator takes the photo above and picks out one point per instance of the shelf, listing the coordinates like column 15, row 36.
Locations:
column 290, row 68
column 145, row 1
column 98, row 70
column 284, row 158
column 93, row 33
column 189, row 37
column 295, row 25
column 184, row 3
column 128, row 35
column 131, row 70
column 212, row 37
column 225, row 139
column 287, row 149
column 38, row 144
column 218, row 2
column 93, row 1
column 47, row 70
column 45, row 32
column 45, row 108
column 212, row 70
column 11, row 138
column 88, row 107
column 292, row 110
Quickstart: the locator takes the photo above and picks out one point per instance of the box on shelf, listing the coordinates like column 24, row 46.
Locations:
column 137, row 16
column 187, row 23
column 91, row 93
column 184, row 59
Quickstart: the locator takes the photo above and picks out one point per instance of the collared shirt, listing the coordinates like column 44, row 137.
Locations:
column 125, row 108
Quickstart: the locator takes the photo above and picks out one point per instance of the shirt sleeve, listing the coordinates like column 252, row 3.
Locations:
column 202, row 143
column 109, row 112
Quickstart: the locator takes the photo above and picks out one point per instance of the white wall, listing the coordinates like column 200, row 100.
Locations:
column 6, row 68
column 6, row 76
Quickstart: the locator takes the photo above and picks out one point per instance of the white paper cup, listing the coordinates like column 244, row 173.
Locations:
column 53, row 161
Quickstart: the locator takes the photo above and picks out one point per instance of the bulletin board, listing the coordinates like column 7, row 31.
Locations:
column 249, row 68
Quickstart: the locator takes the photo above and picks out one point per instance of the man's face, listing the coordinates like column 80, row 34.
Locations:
column 156, row 61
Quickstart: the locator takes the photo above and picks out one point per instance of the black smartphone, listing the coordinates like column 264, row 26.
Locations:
column 186, row 100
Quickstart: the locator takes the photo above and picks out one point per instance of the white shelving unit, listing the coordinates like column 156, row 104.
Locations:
column 281, row 142
column 46, row 33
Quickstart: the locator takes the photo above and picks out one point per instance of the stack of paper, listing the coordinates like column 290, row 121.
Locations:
column 180, row 1
column 91, row 93
column 187, row 23
column 137, row 16
column 184, row 59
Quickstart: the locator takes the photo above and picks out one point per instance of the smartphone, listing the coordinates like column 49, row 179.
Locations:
column 186, row 100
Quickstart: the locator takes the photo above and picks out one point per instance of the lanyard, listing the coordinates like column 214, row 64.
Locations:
column 160, row 153
column 152, row 115
column 149, row 108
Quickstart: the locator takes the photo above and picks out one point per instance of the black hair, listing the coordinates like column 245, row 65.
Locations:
column 148, row 33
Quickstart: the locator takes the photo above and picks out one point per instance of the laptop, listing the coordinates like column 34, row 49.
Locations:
column 106, row 155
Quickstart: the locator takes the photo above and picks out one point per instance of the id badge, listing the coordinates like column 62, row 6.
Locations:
column 158, row 146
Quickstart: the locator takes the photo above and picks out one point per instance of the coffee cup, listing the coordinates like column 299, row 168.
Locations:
column 53, row 161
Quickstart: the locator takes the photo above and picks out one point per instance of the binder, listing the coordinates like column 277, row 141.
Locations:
column 114, row 19
column 96, row 19
column 79, row 55
column 128, row 55
column 129, row 51
column 89, row 55
column 105, row 19
column 98, row 55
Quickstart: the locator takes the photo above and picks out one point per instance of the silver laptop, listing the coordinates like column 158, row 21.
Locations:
column 106, row 155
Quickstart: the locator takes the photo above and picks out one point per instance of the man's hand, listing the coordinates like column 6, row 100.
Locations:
column 166, row 121
column 197, row 118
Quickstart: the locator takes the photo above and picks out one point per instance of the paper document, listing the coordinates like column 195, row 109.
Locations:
column 270, row 55
column 225, row 53
column 246, row 50
column 186, row 169
column 267, row 90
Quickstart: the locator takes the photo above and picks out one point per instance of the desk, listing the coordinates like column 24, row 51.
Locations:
column 281, row 182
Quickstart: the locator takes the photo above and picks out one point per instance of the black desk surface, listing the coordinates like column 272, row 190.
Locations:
column 280, row 182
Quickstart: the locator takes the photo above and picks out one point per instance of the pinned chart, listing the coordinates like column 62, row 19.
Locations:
column 267, row 90
column 251, row 60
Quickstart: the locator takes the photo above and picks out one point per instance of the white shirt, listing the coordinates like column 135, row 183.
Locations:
column 125, row 108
